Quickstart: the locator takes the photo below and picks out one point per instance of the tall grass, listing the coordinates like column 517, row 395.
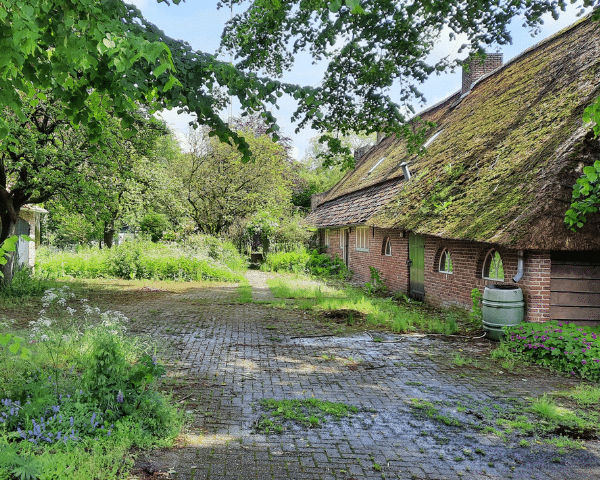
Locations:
column 204, row 258
column 78, row 393
column 399, row 317
column 304, row 261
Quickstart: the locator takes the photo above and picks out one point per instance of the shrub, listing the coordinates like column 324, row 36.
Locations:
column 205, row 258
column 563, row 346
column 85, row 387
column 25, row 284
column 302, row 261
column 154, row 224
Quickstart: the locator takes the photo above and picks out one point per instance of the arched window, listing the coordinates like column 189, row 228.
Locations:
column 492, row 266
column 386, row 247
column 446, row 262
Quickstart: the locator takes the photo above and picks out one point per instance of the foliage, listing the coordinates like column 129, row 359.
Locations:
column 145, row 260
column 356, row 307
column 154, row 224
column 376, row 285
column 85, row 387
column 476, row 314
column 221, row 189
column 109, row 186
column 7, row 247
column 365, row 55
column 562, row 346
column 308, row 262
column 25, row 284
column 586, row 194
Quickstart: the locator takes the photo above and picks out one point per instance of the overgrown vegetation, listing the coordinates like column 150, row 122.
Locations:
column 355, row 307
column 304, row 261
column 200, row 258
column 562, row 346
column 78, row 393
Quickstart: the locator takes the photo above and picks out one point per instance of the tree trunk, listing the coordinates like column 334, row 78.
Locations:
column 109, row 234
column 9, row 228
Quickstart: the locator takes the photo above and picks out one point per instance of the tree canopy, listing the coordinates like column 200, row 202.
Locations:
column 100, row 56
column 221, row 189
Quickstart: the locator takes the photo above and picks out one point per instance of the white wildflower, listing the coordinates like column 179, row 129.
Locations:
column 71, row 311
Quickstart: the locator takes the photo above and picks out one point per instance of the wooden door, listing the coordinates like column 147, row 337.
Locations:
column 346, row 247
column 416, row 255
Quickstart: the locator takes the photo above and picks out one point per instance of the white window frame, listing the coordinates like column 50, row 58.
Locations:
column 326, row 237
column 362, row 239
column 442, row 267
column 488, row 258
column 387, row 248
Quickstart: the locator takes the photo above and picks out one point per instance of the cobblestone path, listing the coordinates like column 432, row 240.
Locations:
column 228, row 356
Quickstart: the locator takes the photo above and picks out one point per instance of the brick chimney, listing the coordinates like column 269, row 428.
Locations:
column 479, row 68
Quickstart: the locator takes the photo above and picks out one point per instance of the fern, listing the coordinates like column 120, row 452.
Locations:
column 23, row 468
column 28, row 469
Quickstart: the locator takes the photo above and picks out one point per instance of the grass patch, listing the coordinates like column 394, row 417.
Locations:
column 311, row 413
column 244, row 293
column 584, row 395
column 200, row 258
column 367, row 310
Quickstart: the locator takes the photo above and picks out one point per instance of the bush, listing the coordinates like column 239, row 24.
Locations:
column 302, row 261
column 563, row 346
column 85, row 385
column 25, row 284
column 206, row 258
column 154, row 224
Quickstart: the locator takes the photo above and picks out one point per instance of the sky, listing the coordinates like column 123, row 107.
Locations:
column 200, row 23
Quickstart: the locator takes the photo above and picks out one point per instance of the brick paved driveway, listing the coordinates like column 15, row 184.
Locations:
column 229, row 356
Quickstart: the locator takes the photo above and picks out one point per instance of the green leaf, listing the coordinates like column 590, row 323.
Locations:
column 591, row 174
column 335, row 5
column 14, row 348
column 108, row 43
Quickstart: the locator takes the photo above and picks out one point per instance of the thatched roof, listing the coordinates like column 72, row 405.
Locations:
column 354, row 208
column 504, row 160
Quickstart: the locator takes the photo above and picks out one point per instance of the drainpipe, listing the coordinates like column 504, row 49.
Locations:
column 520, row 267
column 405, row 171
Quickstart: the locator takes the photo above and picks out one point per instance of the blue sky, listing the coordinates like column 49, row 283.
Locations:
column 200, row 23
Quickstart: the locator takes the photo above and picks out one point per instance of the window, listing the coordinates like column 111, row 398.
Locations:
column 446, row 262
column 492, row 266
column 361, row 238
column 326, row 237
column 386, row 248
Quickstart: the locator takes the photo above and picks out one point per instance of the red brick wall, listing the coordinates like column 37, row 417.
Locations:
column 448, row 289
column 478, row 69
column 392, row 269
column 467, row 258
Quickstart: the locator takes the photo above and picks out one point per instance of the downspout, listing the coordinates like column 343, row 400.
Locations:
column 520, row 267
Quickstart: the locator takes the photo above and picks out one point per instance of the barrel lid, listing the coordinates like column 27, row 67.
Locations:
column 503, row 293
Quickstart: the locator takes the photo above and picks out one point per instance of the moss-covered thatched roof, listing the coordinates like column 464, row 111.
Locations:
column 501, row 167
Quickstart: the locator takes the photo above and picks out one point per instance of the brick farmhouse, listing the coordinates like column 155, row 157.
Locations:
column 486, row 201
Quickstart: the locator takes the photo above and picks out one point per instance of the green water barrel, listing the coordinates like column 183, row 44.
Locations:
column 503, row 307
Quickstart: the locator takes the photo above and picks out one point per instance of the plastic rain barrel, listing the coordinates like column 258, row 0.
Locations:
column 503, row 307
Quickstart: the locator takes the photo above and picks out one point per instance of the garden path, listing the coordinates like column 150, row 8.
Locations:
column 227, row 356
